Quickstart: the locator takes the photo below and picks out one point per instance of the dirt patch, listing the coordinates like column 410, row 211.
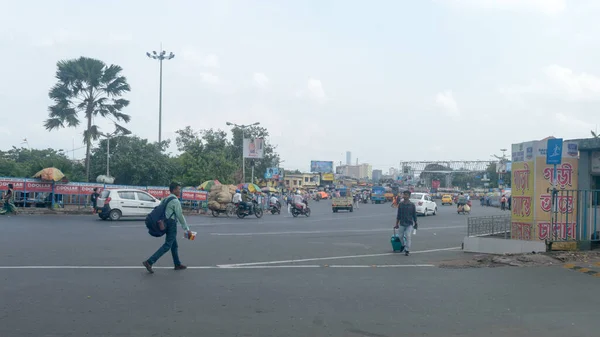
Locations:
column 521, row 260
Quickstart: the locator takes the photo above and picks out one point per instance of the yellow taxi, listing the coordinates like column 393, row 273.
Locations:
column 446, row 199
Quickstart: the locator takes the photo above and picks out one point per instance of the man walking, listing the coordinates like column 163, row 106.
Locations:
column 407, row 218
column 173, row 215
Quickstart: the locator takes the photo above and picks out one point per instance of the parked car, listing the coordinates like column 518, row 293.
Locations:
column 424, row 204
column 447, row 199
column 117, row 203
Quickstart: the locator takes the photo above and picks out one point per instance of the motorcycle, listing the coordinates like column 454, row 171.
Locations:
column 299, row 211
column 255, row 210
column 275, row 208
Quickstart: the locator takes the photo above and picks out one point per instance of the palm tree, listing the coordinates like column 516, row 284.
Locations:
column 89, row 87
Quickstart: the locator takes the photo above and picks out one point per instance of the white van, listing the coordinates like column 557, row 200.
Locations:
column 117, row 203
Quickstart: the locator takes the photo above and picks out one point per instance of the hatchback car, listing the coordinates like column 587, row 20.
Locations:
column 447, row 199
column 424, row 204
column 117, row 203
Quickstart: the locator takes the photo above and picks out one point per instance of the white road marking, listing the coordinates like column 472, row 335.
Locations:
column 225, row 267
column 330, row 232
column 331, row 258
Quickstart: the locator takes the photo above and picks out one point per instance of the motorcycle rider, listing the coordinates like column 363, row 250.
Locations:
column 299, row 201
column 462, row 201
column 237, row 197
column 246, row 201
column 274, row 201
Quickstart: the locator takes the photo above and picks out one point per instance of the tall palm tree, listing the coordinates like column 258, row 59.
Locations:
column 87, row 88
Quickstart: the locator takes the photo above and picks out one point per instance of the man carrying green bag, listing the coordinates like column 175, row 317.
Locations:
column 406, row 220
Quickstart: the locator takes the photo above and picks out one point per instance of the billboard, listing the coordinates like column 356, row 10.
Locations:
column 327, row 177
column 253, row 148
column 272, row 173
column 318, row 166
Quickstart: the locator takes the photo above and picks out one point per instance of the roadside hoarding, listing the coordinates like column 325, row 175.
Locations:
column 327, row 177
column 317, row 166
column 272, row 173
column 253, row 148
column 531, row 195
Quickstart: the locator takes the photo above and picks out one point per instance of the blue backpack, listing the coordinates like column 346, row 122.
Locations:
column 155, row 221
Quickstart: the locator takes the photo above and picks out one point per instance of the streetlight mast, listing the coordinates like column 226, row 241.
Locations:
column 243, row 127
column 160, row 56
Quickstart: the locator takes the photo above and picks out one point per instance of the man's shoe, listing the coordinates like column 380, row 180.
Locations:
column 148, row 267
column 407, row 253
column 180, row 267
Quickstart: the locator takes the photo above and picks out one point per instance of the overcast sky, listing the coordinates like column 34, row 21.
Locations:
column 387, row 80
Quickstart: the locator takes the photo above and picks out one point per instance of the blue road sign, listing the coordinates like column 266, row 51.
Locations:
column 554, row 151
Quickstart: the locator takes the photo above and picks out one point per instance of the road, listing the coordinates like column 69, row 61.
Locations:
column 327, row 275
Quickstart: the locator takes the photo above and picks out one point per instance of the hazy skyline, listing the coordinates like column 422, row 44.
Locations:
column 389, row 81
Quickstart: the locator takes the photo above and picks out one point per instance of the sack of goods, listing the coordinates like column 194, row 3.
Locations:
column 214, row 205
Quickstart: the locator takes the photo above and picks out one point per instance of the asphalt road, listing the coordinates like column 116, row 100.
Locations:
column 327, row 275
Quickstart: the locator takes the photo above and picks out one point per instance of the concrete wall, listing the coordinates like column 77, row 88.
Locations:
column 501, row 246
column 585, row 178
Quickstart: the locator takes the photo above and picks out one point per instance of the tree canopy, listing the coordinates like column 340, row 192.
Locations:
column 90, row 88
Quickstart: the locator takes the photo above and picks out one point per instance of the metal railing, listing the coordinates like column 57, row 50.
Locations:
column 494, row 225
column 574, row 215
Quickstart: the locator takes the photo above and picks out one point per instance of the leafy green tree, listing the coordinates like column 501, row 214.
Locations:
column 22, row 162
column 205, row 155
column 90, row 89
column 135, row 161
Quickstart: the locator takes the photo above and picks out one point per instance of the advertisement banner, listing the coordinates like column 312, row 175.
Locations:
column 531, row 199
column 272, row 173
column 327, row 177
column 37, row 186
column 317, row 166
column 158, row 191
column 194, row 195
column 18, row 183
column 253, row 148
column 435, row 184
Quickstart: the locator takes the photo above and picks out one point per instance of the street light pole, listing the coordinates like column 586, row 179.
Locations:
column 244, row 127
column 160, row 56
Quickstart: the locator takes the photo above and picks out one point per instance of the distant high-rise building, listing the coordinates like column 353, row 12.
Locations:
column 348, row 158
column 377, row 174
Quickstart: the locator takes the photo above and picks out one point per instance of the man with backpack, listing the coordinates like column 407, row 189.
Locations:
column 173, row 214
column 407, row 218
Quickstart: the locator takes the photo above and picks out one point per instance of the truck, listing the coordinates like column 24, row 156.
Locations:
column 344, row 202
column 378, row 195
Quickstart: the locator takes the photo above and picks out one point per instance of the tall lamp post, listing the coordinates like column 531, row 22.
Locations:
column 160, row 56
column 243, row 127
column 108, row 137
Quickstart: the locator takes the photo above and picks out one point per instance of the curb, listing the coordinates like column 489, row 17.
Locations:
column 585, row 270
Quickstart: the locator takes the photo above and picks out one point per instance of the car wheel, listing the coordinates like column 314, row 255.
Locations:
column 425, row 212
column 114, row 215
column 435, row 211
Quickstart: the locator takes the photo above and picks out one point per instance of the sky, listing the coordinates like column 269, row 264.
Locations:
column 390, row 81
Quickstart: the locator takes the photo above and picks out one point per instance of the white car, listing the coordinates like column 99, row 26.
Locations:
column 423, row 203
column 117, row 203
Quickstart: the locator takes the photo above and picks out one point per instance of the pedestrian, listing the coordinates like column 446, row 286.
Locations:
column 9, row 198
column 173, row 215
column 94, row 199
column 356, row 201
column 482, row 200
column 503, row 203
column 509, row 202
column 407, row 218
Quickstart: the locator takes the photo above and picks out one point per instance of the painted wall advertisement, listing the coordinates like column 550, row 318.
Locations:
column 532, row 181
column 327, row 177
column 253, row 148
